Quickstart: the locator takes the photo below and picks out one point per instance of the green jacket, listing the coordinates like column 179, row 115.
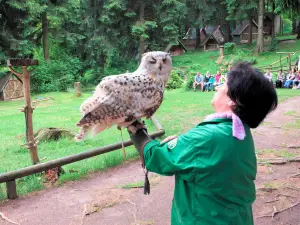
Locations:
column 214, row 174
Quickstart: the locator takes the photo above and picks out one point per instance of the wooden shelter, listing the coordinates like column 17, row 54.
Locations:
column 11, row 87
column 241, row 32
column 176, row 48
column 213, row 38
column 268, row 21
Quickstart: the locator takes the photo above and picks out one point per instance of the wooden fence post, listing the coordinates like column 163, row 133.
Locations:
column 221, row 50
column 77, row 88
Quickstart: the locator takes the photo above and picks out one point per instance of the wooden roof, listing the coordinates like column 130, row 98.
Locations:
column 239, row 29
column 217, row 35
column 4, row 80
column 169, row 46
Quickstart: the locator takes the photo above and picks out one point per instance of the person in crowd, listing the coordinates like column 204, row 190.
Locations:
column 290, row 79
column 198, row 81
column 217, row 78
column 296, row 80
column 280, row 79
column 210, row 84
column 206, row 79
column 269, row 75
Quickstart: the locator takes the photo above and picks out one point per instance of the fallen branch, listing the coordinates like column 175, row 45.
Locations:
column 285, row 195
column 292, row 188
column 295, row 175
column 83, row 214
column 8, row 220
column 133, row 213
column 272, row 201
column 277, row 161
column 277, row 212
column 293, row 146
column 266, row 189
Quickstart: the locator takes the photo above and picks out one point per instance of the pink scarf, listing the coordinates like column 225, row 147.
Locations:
column 238, row 129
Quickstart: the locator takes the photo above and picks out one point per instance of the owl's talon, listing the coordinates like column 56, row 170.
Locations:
column 132, row 129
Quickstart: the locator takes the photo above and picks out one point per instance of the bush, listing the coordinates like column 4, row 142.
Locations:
column 56, row 74
column 229, row 47
column 189, row 82
column 175, row 81
column 273, row 45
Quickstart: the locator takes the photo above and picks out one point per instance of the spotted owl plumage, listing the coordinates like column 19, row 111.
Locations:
column 122, row 99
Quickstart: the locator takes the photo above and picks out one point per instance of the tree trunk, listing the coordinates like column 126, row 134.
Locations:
column 250, row 30
column 45, row 36
column 260, row 37
column 198, row 41
column 298, row 31
column 273, row 20
column 102, row 60
column 229, row 37
column 142, row 39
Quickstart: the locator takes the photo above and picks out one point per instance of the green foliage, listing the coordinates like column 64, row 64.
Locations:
column 287, row 26
column 229, row 47
column 273, row 45
column 175, row 81
column 55, row 75
column 190, row 81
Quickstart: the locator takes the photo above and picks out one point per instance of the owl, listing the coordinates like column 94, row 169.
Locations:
column 122, row 99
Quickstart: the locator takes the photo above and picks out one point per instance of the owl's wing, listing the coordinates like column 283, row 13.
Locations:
column 121, row 98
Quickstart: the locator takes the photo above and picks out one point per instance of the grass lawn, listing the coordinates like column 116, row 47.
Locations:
column 195, row 61
column 180, row 111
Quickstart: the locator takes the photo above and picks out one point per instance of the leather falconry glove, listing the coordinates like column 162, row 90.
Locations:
column 139, row 136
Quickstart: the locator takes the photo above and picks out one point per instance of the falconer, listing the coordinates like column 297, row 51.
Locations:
column 214, row 163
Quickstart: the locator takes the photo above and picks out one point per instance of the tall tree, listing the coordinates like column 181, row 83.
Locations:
column 260, row 37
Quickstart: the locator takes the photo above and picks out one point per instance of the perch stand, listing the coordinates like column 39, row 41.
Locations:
column 28, row 110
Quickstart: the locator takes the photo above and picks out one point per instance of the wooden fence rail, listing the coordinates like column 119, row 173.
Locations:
column 10, row 177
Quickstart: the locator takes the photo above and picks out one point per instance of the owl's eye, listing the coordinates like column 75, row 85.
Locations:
column 153, row 61
column 164, row 60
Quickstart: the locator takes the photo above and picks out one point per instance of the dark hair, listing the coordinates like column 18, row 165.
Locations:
column 253, row 94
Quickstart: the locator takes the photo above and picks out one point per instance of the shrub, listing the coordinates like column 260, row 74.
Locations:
column 273, row 45
column 58, row 74
column 175, row 81
column 229, row 47
column 189, row 82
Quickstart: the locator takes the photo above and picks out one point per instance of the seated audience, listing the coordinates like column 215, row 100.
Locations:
column 280, row 79
column 217, row 77
column 296, row 80
column 210, row 84
column 290, row 79
column 206, row 79
column 198, row 81
column 269, row 75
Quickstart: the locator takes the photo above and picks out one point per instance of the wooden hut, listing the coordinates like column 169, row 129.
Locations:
column 11, row 87
column 241, row 32
column 176, row 48
column 213, row 39
column 189, row 39
column 268, row 21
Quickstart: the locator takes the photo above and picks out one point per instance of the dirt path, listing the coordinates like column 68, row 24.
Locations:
column 100, row 200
